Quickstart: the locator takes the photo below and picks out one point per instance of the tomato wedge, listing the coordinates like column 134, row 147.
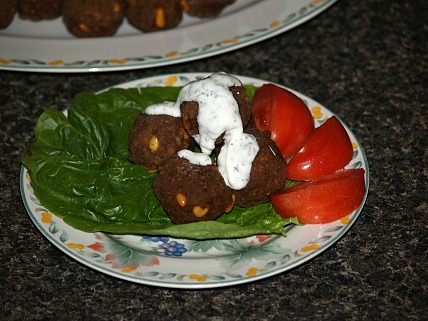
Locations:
column 323, row 200
column 327, row 150
column 285, row 115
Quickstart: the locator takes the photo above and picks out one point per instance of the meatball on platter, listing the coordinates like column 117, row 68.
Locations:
column 69, row 36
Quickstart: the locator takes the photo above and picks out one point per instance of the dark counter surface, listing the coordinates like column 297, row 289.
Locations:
column 366, row 61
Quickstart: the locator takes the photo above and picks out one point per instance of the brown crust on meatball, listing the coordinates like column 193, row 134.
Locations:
column 39, row 9
column 267, row 174
column 187, row 191
column 154, row 15
column 189, row 114
column 155, row 139
column 205, row 8
column 93, row 18
column 7, row 12
column 240, row 95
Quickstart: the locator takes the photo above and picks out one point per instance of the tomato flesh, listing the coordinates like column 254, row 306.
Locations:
column 285, row 115
column 322, row 200
column 326, row 150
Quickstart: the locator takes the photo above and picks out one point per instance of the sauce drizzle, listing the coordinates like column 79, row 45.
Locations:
column 218, row 113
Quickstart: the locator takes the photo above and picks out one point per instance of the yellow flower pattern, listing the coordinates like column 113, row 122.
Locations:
column 129, row 269
column 75, row 246
column 198, row 277
column 117, row 61
column 46, row 217
column 345, row 220
column 171, row 80
column 312, row 247
column 171, row 54
column 274, row 24
column 316, row 112
column 230, row 41
column 56, row 63
column 252, row 272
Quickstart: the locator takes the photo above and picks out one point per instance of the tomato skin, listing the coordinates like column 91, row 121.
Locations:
column 323, row 200
column 326, row 150
column 285, row 115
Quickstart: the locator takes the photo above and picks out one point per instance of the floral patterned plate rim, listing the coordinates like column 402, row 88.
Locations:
column 46, row 46
column 190, row 264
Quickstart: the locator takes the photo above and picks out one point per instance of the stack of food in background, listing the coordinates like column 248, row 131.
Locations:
column 102, row 18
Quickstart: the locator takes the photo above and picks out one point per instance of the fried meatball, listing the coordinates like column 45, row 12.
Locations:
column 154, row 15
column 40, row 9
column 191, row 193
column 189, row 111
column 93, row 18
column 155, row 139
column 267, row 174
column 205, row 8
column 7, row 12
column 240, row 95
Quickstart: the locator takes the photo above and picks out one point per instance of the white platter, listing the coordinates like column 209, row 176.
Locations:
column 189, row 264
column 46, row 46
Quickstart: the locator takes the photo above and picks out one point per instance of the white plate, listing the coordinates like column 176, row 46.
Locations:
column 195, row 264
column 46, row 46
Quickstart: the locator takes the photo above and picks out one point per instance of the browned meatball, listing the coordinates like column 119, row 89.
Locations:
column 190, row 193
column 189, row 111
column 7, row 12
column 240, row 95
column 267, row 174
column 40, row 9
column 154, row 15
column 155, row 139
column 205, row 8
column 93, row 18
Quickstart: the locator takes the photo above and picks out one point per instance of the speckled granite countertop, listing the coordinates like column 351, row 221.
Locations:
column 365, row 60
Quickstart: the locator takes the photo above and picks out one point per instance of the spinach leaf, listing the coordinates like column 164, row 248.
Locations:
column 80, row 172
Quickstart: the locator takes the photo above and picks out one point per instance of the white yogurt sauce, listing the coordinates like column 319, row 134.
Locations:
column 218, row 113
column 195, row 158
column 236, row 158
column 166, row 108
column 218, row 110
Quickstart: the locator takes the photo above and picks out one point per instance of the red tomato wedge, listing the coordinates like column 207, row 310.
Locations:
column 327, row 150
column 323, row 200
column 285, row 115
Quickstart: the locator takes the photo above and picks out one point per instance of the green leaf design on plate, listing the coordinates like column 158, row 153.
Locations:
column 125, row 256
column 244, row 253
column 52, row 227
column 285, row 258
column 216, row 277
column 303, row 11
column 233, row 275
column 21, row 62
column 64, row 237
column 75, row 63
column 333, row 229
column 207, row 47
column 356, row 164
column 205, row 246
column 289, row 18
column 321, row 239
column 168, row 276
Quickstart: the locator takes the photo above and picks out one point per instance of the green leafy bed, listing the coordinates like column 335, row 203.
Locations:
column 80, row 172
